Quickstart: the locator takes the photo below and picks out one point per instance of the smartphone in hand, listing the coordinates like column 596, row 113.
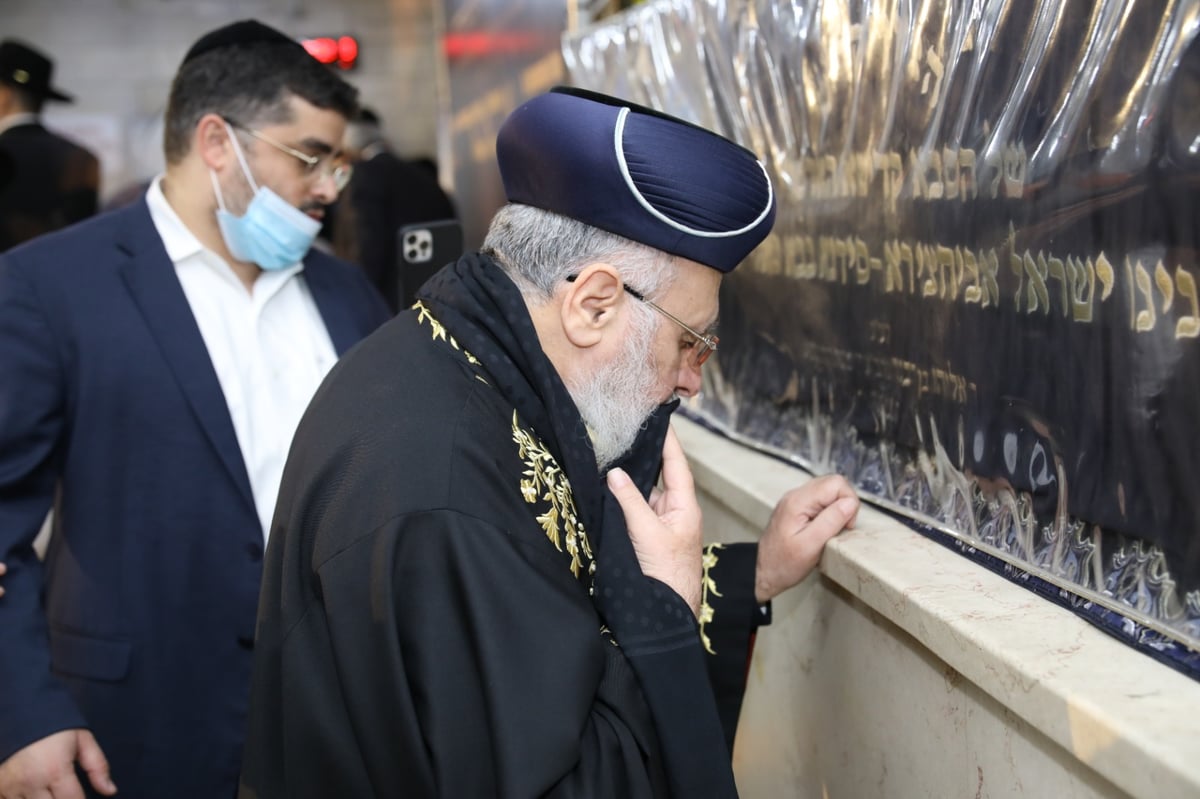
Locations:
column 422, row 249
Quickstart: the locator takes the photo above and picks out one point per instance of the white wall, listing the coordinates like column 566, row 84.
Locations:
column 902, row 669
column 117, row 58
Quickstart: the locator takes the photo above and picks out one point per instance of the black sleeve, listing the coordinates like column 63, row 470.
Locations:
column 729, row 617
column 448, row 658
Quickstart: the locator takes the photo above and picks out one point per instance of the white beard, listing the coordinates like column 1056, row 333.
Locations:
column 617, row 399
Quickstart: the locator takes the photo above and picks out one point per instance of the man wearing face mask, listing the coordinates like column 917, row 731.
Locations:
column 154, row 363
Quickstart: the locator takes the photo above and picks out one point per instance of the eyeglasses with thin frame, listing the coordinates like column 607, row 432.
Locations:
column 313, row 164
column 705, row 344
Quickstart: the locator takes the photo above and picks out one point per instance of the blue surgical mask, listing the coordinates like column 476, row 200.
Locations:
column 272, row 233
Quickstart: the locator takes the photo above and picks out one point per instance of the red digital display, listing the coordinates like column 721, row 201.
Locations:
column 339, row 51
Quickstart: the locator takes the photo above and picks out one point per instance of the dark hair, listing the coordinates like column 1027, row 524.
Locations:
column 251, row 84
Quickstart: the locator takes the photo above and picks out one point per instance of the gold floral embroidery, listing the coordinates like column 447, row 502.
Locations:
column 708, row 585
column 544, row 481
column 424, row 315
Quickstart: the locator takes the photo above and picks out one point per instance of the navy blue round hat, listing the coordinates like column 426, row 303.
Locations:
column 637, row 172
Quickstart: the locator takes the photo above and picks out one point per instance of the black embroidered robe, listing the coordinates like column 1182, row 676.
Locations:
column 427, row 625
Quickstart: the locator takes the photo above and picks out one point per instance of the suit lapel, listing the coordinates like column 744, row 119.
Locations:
column 331, row 302
column 156, row 290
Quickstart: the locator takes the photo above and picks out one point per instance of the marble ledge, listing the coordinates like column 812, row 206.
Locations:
column 1131, row 719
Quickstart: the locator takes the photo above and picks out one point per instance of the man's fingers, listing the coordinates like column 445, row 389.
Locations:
column 65, row 786
column 849, row 506
column 808, row 500
column 93, row 761
column 628, row 497
column 832, row 519
column 3, row 570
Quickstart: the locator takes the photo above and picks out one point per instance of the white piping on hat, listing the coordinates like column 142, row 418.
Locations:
column 618, row 138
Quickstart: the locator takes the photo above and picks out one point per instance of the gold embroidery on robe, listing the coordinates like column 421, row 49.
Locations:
column 424, row 315
column 708, row 585
column 544, row 481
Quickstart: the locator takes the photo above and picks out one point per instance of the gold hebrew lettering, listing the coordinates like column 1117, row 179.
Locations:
column 768, row 257
column 1104, row 271
column 946, row 272
column 808, row 246
column 826, row 270
column 1082, row 276
column 893, row 169
column 1055, row 269
column 1018, row 268
column 860, row 174
column 1162, row 279
column 842, row 253
column 966, row 175
column 908, row 256
column 1145, row 319
column 1187, row 326
column 973, row 293
column 840, row 178
column 811, row 177
column 927, row 266
column 798, row 265
column 920, row 187
column 892, row 279
column 1132, row 294
column 1036, row 294
column 794, row 255
column 989, row 273
column 993, row 169
column 950, row 172
column 1016, row 165
column 829, row 170
column 934, row 190
column 937, row 69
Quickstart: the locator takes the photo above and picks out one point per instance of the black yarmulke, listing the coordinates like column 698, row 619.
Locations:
column 243, row 32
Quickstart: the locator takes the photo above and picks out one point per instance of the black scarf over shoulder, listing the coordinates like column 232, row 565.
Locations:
column 656, row 630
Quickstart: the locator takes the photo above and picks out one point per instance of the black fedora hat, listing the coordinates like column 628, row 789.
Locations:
column 26, row 68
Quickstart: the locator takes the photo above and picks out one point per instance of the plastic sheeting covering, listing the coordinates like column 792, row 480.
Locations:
column 980, row 298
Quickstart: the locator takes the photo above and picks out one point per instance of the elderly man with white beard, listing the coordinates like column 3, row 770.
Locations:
column 486, row 573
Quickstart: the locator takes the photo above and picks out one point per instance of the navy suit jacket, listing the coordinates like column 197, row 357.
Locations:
column 140, row 624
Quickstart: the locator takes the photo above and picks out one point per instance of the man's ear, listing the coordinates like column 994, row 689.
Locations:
column 590, row 305
column 211, row 142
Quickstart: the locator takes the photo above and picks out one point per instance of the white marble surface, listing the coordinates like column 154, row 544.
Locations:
column 903, row 669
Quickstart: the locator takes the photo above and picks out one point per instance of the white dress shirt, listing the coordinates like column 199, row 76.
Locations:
column 269, row 346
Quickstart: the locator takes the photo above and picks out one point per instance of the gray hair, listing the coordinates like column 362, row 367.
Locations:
column 540, row 249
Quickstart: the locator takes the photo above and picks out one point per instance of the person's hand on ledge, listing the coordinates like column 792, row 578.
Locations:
column 803, row 520
column 3, row 569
